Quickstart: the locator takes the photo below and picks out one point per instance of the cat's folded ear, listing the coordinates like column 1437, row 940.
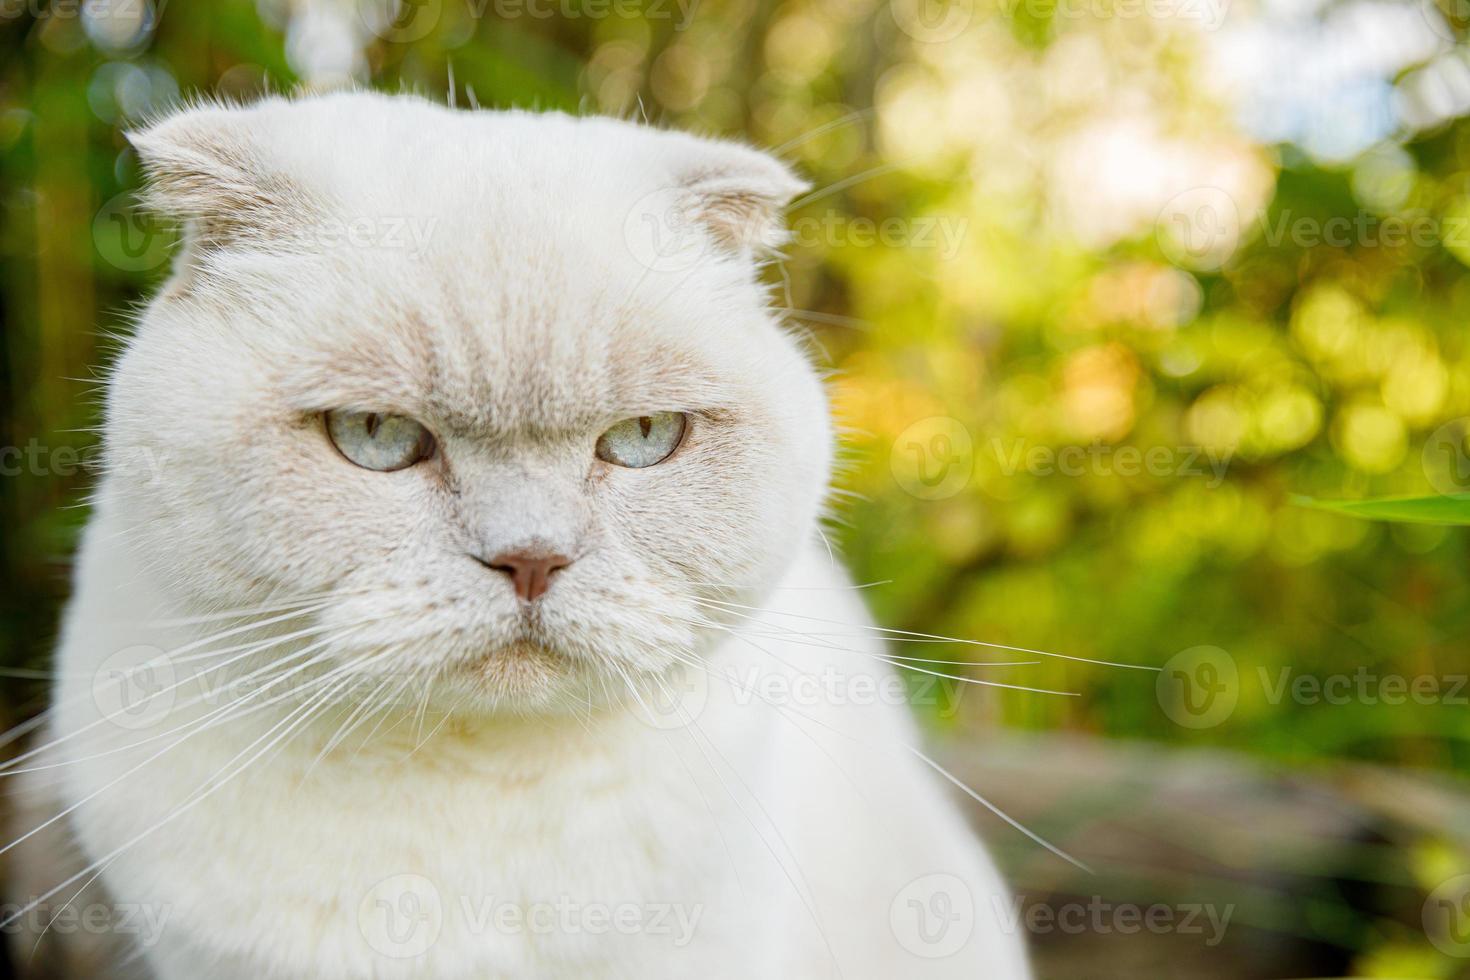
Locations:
column 206, row 168
column 738, row 194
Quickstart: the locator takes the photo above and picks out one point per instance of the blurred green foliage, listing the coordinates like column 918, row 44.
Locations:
column 1078, row 414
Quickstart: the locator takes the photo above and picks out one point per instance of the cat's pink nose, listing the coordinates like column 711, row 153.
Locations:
column 530, row 570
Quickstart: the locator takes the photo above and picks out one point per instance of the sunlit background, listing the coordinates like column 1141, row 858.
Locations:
column 1106, row 286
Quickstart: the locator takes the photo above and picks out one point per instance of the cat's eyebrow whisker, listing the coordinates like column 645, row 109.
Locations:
column 837, row 187
column 899, row 635
column 830, row 319
column 826, row 127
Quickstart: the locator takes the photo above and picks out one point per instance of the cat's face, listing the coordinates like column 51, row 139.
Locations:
column 477, row 284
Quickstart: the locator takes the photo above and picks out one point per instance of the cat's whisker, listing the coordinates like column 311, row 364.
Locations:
column 736, row 684
column 274, row 666
column 796, row 588
column 249, row 650
column 798, row 881
column 314, row 601
column 960, row 784
column 295, row 719
column 899, row 636
column 804, row 640
column 359, row 713
column 167, row 748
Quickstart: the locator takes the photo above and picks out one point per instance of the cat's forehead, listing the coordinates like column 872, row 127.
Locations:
column 496, row 269
column 574, row 345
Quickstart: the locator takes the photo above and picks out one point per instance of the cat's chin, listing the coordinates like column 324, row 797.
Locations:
column 520, row 675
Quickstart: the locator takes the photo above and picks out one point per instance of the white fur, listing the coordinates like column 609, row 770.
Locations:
column 777, row 836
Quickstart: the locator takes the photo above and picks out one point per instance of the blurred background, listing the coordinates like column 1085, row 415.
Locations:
column 1107, row 288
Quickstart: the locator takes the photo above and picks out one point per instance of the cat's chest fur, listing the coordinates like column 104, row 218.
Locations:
column 453, row 854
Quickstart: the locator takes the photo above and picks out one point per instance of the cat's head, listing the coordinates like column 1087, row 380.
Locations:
column 503, row 389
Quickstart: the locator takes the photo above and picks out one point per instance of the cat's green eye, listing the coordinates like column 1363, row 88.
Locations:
column 380, row 442
column 642, row 441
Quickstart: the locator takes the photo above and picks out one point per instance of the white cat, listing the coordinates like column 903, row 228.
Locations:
column 453, row 605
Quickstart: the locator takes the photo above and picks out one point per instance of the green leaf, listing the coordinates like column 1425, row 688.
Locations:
column 1437, row 509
